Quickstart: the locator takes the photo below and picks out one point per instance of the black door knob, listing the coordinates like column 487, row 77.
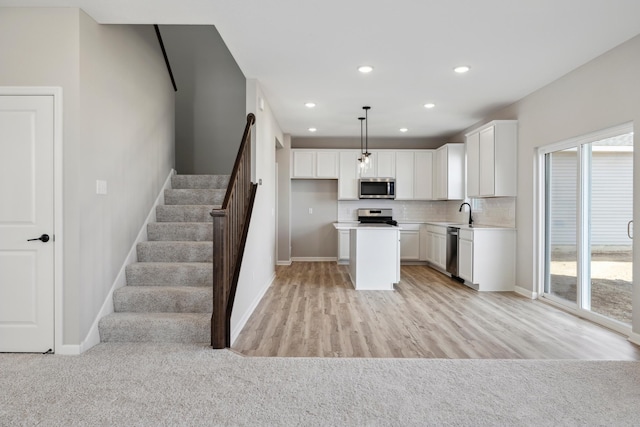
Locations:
column 44, row 238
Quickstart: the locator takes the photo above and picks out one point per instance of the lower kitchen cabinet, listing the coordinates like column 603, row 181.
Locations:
column 436, row 246
column 410, row 242
column 486, row 258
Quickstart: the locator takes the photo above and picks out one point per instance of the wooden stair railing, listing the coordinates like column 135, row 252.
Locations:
column 230, row 229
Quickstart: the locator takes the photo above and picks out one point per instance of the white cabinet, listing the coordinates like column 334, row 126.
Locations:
column 385, row 162
column 465, row 258
column 486, row 258
column 327, row 164
column 491, row 159
column 436, row 246
column 303, row 164
column 314, row 164
column 448, row 172
column 414, row 175
column 423, row 176
column 343, row 245
column 348, row 175
column 410, row 242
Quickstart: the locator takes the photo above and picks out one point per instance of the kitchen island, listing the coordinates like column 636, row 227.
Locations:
column 374, row 255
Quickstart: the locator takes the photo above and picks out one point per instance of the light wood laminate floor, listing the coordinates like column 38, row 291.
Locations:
column 312, row 310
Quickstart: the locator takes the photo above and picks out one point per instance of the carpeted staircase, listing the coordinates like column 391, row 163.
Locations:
column 168, row 297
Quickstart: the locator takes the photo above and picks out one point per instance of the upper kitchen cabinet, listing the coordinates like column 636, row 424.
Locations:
column 381, row 164
column 314, row 164
column 491, row 159
column 348, row 175
column 414, row 175
column 448, row 172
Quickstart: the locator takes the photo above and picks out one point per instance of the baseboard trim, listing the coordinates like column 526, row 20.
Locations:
column 235, row 332
column 68, row 350
column 634, row 338
column 313, row 259
column 283, row 262
column 93, row 337
column 525, row 292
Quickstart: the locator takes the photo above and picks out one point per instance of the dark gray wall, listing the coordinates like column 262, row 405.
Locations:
column 210, row 102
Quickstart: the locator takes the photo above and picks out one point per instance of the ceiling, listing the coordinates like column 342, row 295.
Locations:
column 304, row 50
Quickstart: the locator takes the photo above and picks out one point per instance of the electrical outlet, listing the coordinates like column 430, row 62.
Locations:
column 310, row 211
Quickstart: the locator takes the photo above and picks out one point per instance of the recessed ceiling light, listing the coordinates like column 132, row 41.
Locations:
column 462, row 69
column 312, row 129
column 429, row 105
column 403, row 130
column 310, row 104
column 365, row 69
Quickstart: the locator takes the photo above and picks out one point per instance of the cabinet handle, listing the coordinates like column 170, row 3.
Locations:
column 629, row 229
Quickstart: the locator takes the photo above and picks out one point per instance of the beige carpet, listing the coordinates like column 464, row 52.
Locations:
column 175, row 384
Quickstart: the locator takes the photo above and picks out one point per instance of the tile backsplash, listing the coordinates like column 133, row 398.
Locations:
column 499, row 211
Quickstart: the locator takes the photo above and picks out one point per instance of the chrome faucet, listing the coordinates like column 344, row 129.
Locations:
column 470, row 218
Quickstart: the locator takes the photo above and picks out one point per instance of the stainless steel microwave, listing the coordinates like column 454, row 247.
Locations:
column 377, row 188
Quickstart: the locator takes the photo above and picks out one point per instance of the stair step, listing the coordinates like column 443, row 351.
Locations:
column 199, row 181
column 175, row 252
column 163, row 299
column 185, row 213
column 180, row 231
column 194, row 197
column 170, row 274
column 156, row 327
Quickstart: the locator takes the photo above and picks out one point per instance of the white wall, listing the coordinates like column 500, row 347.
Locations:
column 258, row 265
column 118, row 126
column 600, row 94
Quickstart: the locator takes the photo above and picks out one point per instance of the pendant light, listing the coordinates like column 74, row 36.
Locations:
column 366, row 136
column 361, row 162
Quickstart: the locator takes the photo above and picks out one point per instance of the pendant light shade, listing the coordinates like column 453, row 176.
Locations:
column 364, row 161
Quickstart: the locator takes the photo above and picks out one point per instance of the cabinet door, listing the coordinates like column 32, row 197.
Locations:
column 303, row 164
column 424, row 242
column 343, row 244
column 465, row 259
column 440, row 173
column 348, row 176
column 423, row 176
column 487, row 162
column 327, row 164
column 441, row 251
column 404, row 175
column 410, row 245
column 473, row 165
column 386, row 164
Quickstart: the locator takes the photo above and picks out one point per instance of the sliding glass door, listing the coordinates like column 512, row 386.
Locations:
column 588, row 209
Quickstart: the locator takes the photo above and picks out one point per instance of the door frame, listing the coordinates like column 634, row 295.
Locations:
column 57, row 232
column 540, row 225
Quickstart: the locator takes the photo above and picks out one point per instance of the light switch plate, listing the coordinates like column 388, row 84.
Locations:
column 101, row 187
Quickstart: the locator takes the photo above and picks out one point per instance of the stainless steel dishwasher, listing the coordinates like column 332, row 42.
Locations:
column 452, row 250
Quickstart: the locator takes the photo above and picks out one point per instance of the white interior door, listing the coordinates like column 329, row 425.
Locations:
column 26, row 212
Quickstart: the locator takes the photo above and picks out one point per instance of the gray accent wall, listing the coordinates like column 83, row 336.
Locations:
column 210, row 101
column 312, row 234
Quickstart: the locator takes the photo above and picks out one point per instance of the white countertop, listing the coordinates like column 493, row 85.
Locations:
column 468, row 227
column 352, row 225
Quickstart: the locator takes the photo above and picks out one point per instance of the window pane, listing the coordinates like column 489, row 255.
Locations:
column 561, row 201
